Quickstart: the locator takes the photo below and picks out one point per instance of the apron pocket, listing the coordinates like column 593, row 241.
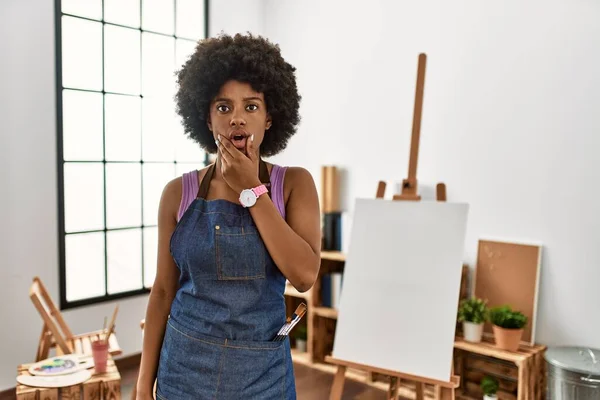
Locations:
column 189, row 368
column 240, row 256
column 254, row 372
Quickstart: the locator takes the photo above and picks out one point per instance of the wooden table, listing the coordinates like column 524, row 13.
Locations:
column 106, row 386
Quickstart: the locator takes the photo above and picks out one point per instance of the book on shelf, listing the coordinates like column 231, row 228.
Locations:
column 331, row 288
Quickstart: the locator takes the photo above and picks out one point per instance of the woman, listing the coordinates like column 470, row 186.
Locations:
column 231, row 234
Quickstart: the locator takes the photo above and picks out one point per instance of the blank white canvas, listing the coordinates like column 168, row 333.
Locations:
column 401, row 286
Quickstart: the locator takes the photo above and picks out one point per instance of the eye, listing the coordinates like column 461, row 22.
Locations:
column 222, row 108
column 252, row 107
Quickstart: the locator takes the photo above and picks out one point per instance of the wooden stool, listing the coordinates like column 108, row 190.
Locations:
column 106, row 386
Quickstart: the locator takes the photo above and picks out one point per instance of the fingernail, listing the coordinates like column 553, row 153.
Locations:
column 252, row 138
column 217, row 142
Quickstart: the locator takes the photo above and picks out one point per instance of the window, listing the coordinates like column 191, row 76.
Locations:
column 119, row 138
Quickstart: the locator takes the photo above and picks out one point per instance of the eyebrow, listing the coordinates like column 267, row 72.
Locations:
column 245, row 99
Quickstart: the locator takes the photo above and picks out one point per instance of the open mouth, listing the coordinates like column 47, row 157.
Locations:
column 239, row 141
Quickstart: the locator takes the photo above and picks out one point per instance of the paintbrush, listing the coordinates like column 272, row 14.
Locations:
column 300, row 310
column 297, row 316
column 111, row 330
column 290, row 323
column 111, row 325
column 103, row 328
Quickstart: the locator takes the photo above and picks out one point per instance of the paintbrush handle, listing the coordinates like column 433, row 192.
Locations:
column 290, row 322
column 112, row 329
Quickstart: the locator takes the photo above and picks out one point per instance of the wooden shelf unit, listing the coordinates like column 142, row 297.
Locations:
column 521, row 374
column 320, row 321
column 326, row 312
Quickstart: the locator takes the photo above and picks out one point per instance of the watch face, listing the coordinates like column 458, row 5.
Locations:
column 248, row 198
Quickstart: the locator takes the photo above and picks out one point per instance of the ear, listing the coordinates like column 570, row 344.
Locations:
column 269, row 122
column 209, row 124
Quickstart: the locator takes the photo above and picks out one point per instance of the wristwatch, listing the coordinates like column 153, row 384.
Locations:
column 248, row 197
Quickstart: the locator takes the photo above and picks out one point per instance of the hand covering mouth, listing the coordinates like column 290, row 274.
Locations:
column 239, row 138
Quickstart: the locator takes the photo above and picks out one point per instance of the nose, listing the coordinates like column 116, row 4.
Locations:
column 237, row 119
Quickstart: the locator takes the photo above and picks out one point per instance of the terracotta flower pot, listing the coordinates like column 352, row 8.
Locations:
column 507, row 339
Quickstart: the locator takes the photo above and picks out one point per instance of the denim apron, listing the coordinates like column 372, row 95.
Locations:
column 230, row 305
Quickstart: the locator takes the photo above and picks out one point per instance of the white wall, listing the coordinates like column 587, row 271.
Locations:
column 28, row 203
column 511, row 122
column 233, row 16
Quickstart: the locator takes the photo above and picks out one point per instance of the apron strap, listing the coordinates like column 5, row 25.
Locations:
column 205, row 183
column 263, row 175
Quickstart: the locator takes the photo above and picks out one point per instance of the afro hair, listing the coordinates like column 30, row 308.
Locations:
column 245, row 58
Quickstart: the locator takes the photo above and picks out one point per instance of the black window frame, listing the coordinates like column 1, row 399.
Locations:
column 64, row 303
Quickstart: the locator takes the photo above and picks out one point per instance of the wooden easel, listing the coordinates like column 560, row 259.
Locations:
column 442, row 390
column 409, row 185
column 445, row 390
column 57, row 334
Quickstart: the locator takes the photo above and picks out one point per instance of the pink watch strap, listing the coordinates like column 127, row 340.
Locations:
column 261, row 189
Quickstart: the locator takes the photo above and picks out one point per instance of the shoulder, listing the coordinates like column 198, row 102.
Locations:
column 298, row 181
column 291, row 175
column 295, row 176
column 301, row 197
column 171, row 197
column 173, row 191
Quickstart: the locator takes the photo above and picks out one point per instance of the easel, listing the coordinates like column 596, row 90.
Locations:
column 409, row 185
column 444, row 390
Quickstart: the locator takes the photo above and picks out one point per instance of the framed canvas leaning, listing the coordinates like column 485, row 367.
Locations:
column 401, row 284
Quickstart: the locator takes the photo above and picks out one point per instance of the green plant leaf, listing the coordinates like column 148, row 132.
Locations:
column 489, row 385
column 300, row 332
column 473, row 310
column 505, row 317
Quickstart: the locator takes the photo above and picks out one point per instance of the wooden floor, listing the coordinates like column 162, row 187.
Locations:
column 314, row 384
column 311, row 384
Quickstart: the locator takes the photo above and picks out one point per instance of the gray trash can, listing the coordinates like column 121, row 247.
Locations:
column 573, row 373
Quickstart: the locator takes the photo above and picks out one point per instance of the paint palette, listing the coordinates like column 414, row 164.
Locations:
column 61, row 365
column 55, row 381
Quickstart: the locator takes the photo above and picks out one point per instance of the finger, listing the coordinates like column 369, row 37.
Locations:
column 219, row 158
column 228, row 147
column 250, row 148
column 226, row 157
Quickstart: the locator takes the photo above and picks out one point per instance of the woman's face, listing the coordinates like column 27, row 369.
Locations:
column 238, row 112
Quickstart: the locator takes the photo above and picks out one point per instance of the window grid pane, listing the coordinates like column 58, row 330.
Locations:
column 88, row 9
column 158, row 16
column 121, row 60
column 121, row 140
column 82, row 125
column 122, row 12
column 85, row 265
column 81, row 53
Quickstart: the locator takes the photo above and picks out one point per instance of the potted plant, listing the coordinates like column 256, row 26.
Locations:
column 300, row 337
column 508, row 327
column 473, row 313
column 489, row 386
